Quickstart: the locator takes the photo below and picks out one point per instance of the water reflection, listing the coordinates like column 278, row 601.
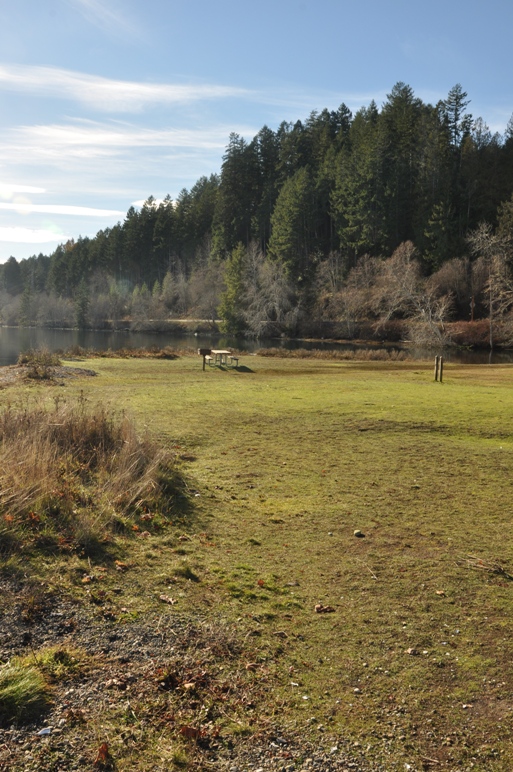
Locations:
column 14, row 340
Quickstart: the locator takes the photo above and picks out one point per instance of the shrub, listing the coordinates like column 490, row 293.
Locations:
column 39, row 363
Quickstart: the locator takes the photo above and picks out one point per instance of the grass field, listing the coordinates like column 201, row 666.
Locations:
column 399, row 641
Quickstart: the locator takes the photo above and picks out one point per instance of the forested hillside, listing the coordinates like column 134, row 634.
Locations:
column 402, row 211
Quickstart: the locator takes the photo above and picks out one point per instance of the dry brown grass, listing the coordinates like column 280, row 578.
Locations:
column 150, row 352
column 70, row 473
column 360, row 355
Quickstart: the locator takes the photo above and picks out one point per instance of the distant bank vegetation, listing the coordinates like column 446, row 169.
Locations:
column 340, row 222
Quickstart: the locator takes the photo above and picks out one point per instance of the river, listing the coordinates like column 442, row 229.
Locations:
column 14, row 340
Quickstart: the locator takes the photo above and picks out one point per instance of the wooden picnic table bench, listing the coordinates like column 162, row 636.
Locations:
column 219, row 357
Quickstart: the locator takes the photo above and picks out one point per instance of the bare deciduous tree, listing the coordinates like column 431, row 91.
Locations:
column 402, row 290
column 270, row 303
column 491, row 250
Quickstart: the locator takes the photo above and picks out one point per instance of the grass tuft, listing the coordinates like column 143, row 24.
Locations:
column 80, row 471
column 24, row 693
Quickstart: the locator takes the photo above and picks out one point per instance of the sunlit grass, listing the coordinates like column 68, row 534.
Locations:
column 285, row 460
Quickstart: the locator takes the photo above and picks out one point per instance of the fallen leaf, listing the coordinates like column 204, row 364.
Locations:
column 103, row 756
column 190, row 732
column 167, row 599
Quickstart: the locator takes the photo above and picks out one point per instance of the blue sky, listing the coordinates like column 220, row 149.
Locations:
column 106, row 102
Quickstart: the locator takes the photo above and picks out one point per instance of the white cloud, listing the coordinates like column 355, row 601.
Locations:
column 30, row 235
column 105, row 94
column 26, row 207
column 105, row 18
column 8, row 190
column 105, row 148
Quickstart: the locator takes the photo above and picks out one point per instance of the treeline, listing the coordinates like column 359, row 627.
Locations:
column 295, row 214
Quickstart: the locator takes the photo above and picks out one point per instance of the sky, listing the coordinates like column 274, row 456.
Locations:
column 104, row 103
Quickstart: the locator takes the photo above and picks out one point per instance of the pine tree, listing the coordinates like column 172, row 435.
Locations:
column 231, row 305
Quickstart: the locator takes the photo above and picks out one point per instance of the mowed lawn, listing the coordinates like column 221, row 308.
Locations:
column 409, row 653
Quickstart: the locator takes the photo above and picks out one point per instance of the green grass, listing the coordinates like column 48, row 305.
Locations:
column 24, row 693
column 285, row 459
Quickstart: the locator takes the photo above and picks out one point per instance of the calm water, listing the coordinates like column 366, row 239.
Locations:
column 15, row 340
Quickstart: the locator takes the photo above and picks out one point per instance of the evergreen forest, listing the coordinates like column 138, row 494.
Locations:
column 337, row 224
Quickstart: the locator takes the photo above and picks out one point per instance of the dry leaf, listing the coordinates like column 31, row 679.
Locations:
column 190, row 732
column 167, row 599
column 103, row 756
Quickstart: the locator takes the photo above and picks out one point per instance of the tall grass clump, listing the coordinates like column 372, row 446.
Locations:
column 68, row 473
column 39, row 363
column 24, row 693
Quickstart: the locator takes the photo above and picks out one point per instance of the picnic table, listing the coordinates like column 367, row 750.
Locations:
column 218, row 356
column 221, row 355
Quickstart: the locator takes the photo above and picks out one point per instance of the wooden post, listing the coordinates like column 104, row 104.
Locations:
column 437, row 360
column 441, row 369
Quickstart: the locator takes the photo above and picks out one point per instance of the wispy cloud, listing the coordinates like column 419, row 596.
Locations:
column 303, row 101
column 123, row 96
column 106, row 18
column 31, row 235
column 27, row 207
column 105, row 94
column 7, row 190
column 60, row 144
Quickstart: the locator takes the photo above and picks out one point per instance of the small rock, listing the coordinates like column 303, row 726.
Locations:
column 359, row 534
